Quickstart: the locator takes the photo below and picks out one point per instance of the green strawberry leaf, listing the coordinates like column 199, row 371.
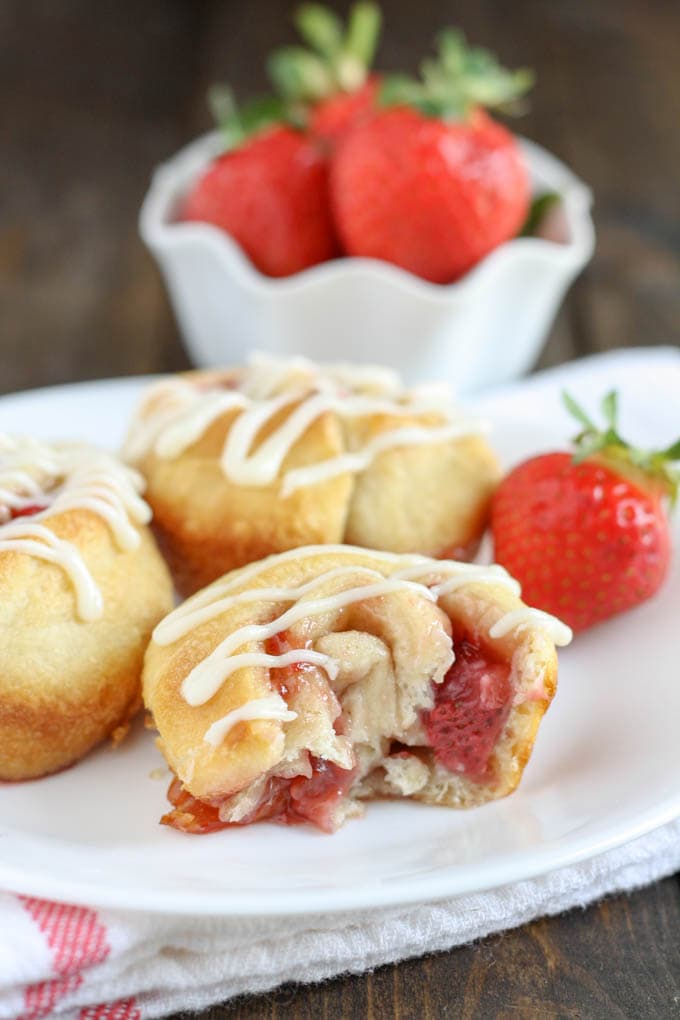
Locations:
column 539, row 208
column 321, row 29
column 672, row 452
column 460, row 79
column 363, row 31
column 657, row 465
column 237, row 124
column 224, row 109
column 577, row 412
column 452, row 52
column 610, row 409
column 337, row 60
column 400, row 89
column 299, row 75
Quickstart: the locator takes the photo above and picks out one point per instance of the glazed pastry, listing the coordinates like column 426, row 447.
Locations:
column 298, row 687
column 247, row 462
column 82, row 586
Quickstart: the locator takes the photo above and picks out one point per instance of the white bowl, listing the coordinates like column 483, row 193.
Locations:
column 486, row 328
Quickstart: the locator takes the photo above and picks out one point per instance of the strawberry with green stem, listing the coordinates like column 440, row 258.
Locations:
column 269, row 190
column 328, row 86
column 587, row 534
column 431, row 183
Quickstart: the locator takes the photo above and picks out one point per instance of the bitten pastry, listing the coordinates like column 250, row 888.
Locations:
column 298, row 687
column 252, row 461
column 82, row 586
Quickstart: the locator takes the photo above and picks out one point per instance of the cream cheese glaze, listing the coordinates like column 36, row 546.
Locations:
column 429, row 578
column 59, row 478
column 271, row 707
column 178, row 411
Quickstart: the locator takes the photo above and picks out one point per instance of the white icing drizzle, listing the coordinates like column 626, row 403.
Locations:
column 525, row 618
column 219, row 588
column 207, row 677
column 60, row 478
column 356, row 462
column 457, row 575
column 212, row 601
column 192, row 423
column 271, row 707
column 177, row 412
column 428, row 578
column 181, row 621
column 38, row 541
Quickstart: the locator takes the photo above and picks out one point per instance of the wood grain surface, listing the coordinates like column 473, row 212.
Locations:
column 93, row 95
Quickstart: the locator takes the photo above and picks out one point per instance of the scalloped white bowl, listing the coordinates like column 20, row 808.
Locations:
column 482, row 330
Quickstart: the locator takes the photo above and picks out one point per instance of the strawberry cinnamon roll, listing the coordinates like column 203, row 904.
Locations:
column 248, row 462
column 82, row 586
column 297, row 688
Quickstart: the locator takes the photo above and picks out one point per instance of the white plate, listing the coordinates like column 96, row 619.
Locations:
column 605, row 768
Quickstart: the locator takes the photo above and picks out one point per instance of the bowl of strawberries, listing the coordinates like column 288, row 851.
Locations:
column 373, row 217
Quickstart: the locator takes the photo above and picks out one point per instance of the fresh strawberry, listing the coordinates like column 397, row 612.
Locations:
column 434, row 184
column 587, row 536
column 271, row 194
column 430, row 197
column 471, row 707
column 327, row 87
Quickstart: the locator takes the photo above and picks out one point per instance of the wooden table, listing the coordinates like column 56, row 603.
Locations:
column 94, row 95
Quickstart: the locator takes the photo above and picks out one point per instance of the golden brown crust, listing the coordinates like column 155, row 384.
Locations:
column 430, row 498
column 66, row 684
column 207, row 525
column 425, row 499
column 254, row 748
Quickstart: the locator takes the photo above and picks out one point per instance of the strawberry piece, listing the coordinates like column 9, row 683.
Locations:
column 587, row 537
column 429, row 196
column 316, row 799
column 271, row 195
column 190, row 814
column 25, row 511
column 471, row 708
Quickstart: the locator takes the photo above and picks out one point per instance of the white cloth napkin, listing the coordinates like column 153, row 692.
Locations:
column 85, row 964
column 82, row 964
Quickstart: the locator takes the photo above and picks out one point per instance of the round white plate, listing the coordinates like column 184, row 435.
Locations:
column 604, row 771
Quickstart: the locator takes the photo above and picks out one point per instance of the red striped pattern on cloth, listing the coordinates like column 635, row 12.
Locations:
column 125, row 1009
column 76, row 939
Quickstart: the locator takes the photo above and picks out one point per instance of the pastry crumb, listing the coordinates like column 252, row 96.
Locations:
column 120, row 733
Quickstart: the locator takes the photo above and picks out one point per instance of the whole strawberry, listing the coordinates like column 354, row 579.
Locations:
column 269, row 191
column 328, row 87
column 432, row 183
column 587, row 536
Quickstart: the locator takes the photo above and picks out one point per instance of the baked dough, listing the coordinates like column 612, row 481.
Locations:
column 247, row 462
column 298, row 687
column 82, row 585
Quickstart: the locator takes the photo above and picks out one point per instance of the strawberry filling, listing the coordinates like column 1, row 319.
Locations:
column 471, row 708
column 287, row 801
